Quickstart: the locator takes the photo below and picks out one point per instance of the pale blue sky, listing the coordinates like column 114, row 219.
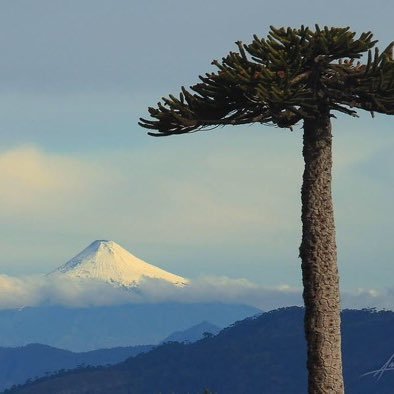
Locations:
column 74, row 166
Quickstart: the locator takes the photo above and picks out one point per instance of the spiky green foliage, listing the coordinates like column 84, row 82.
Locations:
column 291, row 75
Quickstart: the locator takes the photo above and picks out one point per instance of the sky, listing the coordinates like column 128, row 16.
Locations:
column 76, row 75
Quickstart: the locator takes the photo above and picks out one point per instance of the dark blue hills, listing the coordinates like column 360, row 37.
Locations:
column 265, row 354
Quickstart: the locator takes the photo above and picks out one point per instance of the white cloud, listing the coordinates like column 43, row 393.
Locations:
column 39, row 290
column 37, row 182
column 17, row 292
column 369, row 298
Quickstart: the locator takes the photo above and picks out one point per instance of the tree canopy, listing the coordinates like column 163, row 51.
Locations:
column 291, row 75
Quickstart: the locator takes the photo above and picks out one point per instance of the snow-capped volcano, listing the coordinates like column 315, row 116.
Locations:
column 109, row 262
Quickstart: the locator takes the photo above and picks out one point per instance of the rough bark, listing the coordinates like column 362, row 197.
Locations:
column 319, row 262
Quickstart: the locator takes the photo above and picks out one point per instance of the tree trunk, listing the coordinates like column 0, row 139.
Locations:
column 319, row 262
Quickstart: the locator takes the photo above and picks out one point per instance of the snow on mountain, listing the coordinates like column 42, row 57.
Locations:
column 108, row 262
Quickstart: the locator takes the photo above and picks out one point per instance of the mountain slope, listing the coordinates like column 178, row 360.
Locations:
column 83, row 329
column 19, row 364
column 108, row 262
column 261, row 355
column 194, row 333
column 27, row 362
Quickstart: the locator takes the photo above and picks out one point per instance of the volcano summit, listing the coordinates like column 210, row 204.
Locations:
column 108, row 262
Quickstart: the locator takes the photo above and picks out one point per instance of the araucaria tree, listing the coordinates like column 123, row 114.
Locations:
column 296, row 75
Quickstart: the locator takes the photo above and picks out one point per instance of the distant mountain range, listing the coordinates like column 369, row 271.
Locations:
column 84, row 329
column 35, row 360
column 266, row 354
column 193, row 334
column 19, row 364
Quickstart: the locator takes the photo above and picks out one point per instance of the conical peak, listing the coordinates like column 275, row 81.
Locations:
column 103, row 245
column 107, row 261
column 101, row 242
